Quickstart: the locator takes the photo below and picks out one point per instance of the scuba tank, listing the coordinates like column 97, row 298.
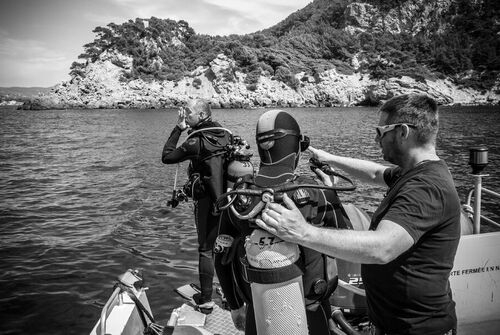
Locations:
column 239, row 162
column 278, row 299
column 238, row 167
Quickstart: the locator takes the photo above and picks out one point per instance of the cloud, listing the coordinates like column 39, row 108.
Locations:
column 31, row 63
column 40, row 39
column 215, row 17
column 29, row 50
column 250, row 16
column 103, row 19
column 43, row 74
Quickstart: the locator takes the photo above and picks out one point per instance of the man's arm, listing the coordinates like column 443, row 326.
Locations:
column 171, row 154
column 363, row 170
column 378, row 246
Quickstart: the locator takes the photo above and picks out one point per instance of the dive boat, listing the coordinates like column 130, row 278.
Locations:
column 474, row 279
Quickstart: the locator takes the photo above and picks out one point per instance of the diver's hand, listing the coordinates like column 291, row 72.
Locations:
column 239, row 317
column 324, row 177
column 181, row 120
column 285, row 222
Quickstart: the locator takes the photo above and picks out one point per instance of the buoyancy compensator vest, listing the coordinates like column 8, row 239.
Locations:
column 221, row 160
column 286, row 280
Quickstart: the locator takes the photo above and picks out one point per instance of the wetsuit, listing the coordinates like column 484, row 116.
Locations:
column 205, row 149
column 319, row 207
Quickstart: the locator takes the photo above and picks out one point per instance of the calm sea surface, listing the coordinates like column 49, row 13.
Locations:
column 83, row 198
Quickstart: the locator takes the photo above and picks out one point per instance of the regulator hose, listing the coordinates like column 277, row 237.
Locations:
column 339, row 318
column 334, row 328
column 274, row 190
column 327, row 169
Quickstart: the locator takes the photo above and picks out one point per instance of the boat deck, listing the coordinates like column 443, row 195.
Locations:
column 187, row 321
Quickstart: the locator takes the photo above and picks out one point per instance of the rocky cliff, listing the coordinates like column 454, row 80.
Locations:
column 101, row 83
column 102, row 88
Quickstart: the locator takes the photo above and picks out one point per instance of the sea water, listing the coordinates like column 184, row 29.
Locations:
column 83, row 197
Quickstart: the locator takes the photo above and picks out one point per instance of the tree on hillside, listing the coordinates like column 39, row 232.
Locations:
column 462, row 39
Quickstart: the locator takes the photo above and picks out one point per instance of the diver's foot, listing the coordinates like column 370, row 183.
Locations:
column 205, row 305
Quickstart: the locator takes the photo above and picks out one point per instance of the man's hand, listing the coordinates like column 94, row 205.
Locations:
column 181, row 120
column 239, row 317
column 317, row 153
column 285, row 222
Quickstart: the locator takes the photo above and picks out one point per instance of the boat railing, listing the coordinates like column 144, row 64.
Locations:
column 112, row 301
column 478, row 160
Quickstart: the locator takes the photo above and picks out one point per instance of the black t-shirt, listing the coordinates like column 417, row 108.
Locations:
column 411, row 294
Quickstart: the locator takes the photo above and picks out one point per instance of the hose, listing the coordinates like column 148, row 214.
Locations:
column 256, row 210
column 334, row 328
column 339, row 318
column 352, row 288
column 280, row 189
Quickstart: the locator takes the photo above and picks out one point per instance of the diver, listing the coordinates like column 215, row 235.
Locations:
column 280, row 143
column 205, row 147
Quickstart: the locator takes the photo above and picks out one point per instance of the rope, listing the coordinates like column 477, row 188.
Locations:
column 151, row 327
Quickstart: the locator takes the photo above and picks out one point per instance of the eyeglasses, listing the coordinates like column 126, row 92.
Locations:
column 381, row 130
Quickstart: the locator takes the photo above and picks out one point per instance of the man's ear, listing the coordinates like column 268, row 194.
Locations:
column 202, row 115
column 406, row 131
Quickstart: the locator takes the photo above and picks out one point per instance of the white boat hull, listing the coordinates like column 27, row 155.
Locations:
column 475, row 283
column 122, row 317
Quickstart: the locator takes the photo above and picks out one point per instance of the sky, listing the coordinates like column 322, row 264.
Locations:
column 40, row 39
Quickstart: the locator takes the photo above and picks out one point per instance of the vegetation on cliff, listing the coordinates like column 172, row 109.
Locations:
column 460, row 42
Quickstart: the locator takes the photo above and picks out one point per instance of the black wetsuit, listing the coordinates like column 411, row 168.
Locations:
column 205, row 149
column 319, row 207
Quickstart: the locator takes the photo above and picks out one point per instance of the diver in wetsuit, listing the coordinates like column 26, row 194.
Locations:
column 279, row 142
column 205, row 148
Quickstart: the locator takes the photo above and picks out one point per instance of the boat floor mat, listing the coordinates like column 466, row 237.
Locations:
column 187, row 291
column 187, row 321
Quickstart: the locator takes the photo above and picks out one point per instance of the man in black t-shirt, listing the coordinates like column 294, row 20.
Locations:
column 408, row 252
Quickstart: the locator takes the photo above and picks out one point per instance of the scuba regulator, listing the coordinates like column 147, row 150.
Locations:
column 241, row 193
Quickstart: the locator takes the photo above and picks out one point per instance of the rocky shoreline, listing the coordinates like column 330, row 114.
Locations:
column 102, row 87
